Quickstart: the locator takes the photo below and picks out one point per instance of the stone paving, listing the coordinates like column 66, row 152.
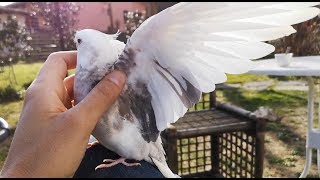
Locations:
column 276, row 85
column 257, row 85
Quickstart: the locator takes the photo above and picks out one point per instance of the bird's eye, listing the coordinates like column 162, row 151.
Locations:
column 79, row 41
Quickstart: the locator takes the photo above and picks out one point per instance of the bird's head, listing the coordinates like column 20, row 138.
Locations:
column 97, row 49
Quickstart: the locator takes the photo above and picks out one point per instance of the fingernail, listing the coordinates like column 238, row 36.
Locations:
column 117, row 77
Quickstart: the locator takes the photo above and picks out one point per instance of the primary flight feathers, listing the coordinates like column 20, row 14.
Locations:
column 194, row 44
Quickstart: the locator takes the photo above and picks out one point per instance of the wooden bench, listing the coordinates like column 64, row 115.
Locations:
column 215, row 139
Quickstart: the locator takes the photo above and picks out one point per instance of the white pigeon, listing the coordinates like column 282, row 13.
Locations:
column 169, row 60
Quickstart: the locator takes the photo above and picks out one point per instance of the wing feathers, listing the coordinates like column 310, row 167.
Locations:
column 187, row 48
column 189, row 95
column 258, row 35
column 287, row 18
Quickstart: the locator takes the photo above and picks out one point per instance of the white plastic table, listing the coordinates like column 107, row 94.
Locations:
column 308, row 66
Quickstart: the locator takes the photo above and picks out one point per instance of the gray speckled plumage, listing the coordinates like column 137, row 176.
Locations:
column 129, row 126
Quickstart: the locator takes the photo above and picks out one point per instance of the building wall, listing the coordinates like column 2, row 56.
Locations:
column 94, row 15
column 33, row 24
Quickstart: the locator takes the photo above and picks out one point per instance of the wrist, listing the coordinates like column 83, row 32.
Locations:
column 14, row 172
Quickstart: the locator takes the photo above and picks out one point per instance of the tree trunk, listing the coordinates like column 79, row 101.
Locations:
column 152, row 8
column 58, row 25
column 111, row 18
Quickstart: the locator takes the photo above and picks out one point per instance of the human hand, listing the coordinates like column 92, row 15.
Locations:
column 52, row 135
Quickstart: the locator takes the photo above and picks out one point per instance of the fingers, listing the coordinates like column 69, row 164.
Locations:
column 56, row 66
column 99, row 100
column 51, row 75
column 68, row 97
column 68, row 83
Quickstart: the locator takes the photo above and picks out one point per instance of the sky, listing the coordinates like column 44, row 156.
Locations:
column 5, row 3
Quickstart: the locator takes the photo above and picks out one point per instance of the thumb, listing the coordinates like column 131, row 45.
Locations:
column 100, row 99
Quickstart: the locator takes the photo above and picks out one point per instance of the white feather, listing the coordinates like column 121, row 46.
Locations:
column 258, row 35
column 287, row 18
column 200, row 42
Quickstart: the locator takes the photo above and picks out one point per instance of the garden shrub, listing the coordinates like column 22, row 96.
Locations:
column 9, row 94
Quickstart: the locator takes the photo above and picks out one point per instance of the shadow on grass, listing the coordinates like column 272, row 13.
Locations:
column 281, row 102
column 285, row 164
column 277, row 100
column 285, row 78
column 282, row 164
column 9, row 94
column 288, row 136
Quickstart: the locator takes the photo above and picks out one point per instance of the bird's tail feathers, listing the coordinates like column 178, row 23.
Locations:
column 164, row 169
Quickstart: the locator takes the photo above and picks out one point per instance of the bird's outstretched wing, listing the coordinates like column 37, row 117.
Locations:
column 187, row 49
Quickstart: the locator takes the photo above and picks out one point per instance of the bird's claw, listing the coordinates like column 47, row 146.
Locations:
column 115, row 162
column 92, row 144
column 130, row 164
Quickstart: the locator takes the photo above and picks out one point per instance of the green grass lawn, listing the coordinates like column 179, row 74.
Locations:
column 242, row 78
column 285, row 139
column 25, row 73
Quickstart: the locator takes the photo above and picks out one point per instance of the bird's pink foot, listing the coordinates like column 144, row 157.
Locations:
column 115, row 162
column 92, row 144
